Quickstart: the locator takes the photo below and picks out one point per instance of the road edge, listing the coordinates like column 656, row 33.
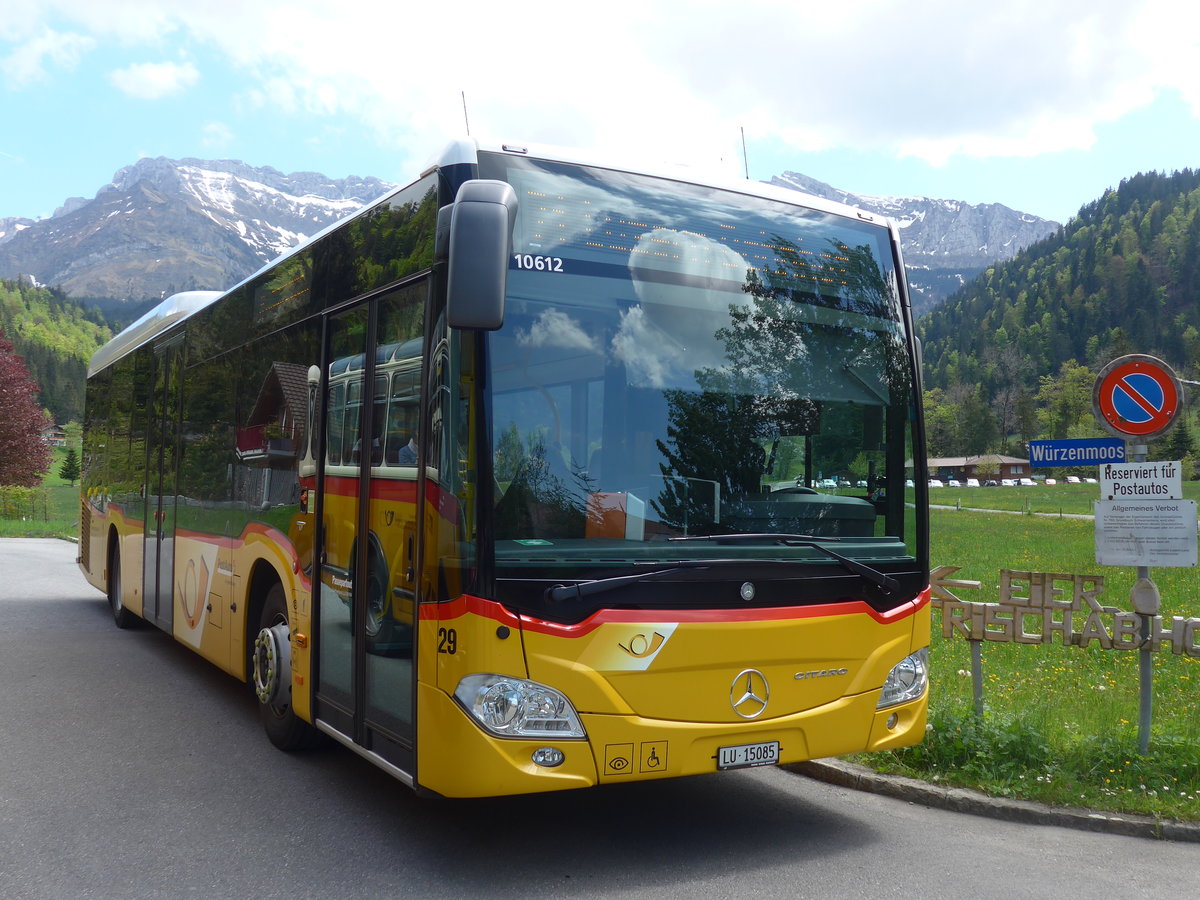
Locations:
column 964, row 800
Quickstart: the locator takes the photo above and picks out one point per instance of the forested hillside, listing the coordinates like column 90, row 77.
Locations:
column 1013, row 354
column 57, row 337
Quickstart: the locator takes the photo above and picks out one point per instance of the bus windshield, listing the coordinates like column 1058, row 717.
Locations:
column 678, row 361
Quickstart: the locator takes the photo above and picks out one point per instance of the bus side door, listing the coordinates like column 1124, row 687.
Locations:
column 370, row 523
column 162, row 444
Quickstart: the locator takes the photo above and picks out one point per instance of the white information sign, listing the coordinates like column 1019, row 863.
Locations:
column 1141, row 481
column 1146, row 532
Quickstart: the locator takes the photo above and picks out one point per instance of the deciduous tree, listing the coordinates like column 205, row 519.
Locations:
column 24, row 455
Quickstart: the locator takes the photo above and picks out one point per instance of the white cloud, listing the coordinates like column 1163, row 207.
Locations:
column 217, row 135
column 677, row 78
column 934, row 78
column 153, row 81
column 554, row 328
column 27, row 63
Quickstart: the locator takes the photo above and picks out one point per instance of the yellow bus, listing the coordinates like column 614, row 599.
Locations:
column 536, row 474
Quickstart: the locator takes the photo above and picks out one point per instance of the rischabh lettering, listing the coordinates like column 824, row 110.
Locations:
column 1042, row 608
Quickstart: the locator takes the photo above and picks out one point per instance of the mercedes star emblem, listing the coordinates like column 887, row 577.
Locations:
column 749, row 694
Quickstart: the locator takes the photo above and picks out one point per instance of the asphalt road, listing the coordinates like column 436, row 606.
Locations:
column 129, row 767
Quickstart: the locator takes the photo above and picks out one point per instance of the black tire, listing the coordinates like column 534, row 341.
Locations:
column 121, row 616
column 286, row 730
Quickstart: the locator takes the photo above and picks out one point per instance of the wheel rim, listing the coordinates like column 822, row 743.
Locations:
column 272, row 666
column 114, row 587
column 376, row 603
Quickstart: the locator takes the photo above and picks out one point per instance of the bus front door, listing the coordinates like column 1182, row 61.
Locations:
column 370, row 518
column 161, row 447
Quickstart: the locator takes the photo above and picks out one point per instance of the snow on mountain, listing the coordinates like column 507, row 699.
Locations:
column 945, row 242
column 13, row 226
column 166, row 225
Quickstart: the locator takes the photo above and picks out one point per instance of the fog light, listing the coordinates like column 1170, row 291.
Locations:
column 548, row 757
column 892, row 720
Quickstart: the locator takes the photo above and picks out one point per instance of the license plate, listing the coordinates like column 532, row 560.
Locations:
column 742, row 756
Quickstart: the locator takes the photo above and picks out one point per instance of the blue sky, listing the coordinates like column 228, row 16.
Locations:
column 1040, row 106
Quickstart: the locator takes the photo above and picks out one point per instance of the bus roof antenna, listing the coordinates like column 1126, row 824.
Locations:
column 745, row 158
column 466, row 121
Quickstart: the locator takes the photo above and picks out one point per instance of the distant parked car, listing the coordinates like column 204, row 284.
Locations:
column 1051, row 481
column 1028, row 482
column 935, row 482
column 1090, row 481
column 953, row 482
column 1007, row 482
column 972, row 482
column 1072, row 479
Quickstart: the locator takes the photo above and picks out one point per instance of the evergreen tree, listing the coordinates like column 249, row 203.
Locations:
column 24, row 455
column 69, row 470
column 1176, row 444
column 1121, row 277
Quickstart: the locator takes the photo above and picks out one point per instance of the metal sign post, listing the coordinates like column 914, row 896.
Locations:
column 1137, row 397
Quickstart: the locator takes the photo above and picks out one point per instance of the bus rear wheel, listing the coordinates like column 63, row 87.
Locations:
column 271, row 672
column 122, row 616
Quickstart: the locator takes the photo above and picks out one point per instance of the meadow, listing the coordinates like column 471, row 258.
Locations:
column 1059, row 723
column 49, row 511
column 1048, row 499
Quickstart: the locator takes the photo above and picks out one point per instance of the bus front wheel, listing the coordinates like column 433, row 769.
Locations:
column 271, row 669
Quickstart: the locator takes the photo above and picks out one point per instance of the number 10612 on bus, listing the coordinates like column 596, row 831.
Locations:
column 534, row 263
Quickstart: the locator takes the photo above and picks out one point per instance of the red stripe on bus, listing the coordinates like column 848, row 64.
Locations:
column 490, row 609
column 396, row 490
column 468, row 604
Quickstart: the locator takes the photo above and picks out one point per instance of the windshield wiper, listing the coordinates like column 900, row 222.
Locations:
column 561, row 592
column 754, row 538
column 817, row 542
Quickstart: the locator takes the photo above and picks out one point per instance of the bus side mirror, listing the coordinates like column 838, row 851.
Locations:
column 477, row 243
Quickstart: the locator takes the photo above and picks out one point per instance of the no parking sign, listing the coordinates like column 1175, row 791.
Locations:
column 1137, row 396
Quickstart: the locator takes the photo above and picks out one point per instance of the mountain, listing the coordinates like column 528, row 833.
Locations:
column 166, row 225
column 11, row 226
column 946, row 243
column 1017, row 335
column 1122, row 277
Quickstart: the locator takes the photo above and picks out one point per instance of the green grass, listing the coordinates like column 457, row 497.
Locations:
column 54, row 514
column 51, row 512
column 1051, row 499
column 1060, row 723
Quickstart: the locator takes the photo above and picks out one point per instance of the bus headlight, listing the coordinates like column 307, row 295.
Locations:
column 907, row 680
column 514, row 707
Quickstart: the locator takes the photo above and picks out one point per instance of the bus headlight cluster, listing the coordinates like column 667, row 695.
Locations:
column 514, row 707
column 907, row 680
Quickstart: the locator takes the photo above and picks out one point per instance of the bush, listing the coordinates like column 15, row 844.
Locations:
column 23, row 503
